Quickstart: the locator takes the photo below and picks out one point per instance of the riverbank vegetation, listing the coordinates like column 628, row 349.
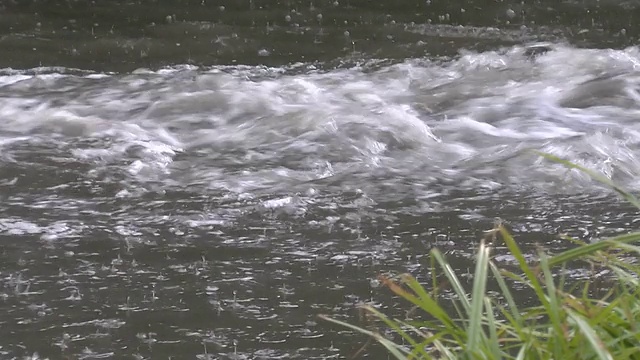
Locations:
column 566, row 319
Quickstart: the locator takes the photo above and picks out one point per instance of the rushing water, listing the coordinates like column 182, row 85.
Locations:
column 212, row 210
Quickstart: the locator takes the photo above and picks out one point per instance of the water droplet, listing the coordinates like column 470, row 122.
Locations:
column 319, row 17
column 511, row 14
column 264, row 52
column 287, row 18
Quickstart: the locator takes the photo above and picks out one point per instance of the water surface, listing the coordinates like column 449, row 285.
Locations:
column 208, row 199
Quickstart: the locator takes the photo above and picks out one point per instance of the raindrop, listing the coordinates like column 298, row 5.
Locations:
column 511, row 14
column 264, row 52
column 287, row 18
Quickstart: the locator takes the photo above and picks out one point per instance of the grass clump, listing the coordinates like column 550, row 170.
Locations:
column 564, row 322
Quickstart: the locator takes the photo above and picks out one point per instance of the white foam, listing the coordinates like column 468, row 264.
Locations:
column 249, row 128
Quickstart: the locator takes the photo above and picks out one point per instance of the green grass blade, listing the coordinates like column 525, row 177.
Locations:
column 494, row 342
column 396, row 326
column 522, row 262
column 582, row 251
column 424, row 301
column 522, row 354
column 475, row 333
column 594, row 175
column 392, row 347
column 347, row 325
column 429, row 340
column 591, row 336
column 453, row 279
column 554, row 310
column 506, row 292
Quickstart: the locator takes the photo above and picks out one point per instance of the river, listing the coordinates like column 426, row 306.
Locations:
column 200, row 179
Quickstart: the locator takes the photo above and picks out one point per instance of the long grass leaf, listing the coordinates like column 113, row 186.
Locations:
column 426, row 303
column 494, row 341
column 554, row 308
column 522, row 262
column 392, row 347
column 347, row 325
column 594, row 175
column 453, row 279
column 506, row 292
column 582, row 251
column 475, row 333
column 397, row 327
column 591, row 336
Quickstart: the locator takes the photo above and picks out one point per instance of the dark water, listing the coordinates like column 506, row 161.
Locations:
column 200, row 179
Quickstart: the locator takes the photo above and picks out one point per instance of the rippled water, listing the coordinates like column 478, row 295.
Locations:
column 213, row 211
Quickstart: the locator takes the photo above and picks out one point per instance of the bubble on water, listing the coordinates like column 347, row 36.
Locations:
column 319, row 17
column 287, row 18
column 264, row 52
column 511, row 14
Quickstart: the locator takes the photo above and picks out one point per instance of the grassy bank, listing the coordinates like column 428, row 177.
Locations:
column 566, row 322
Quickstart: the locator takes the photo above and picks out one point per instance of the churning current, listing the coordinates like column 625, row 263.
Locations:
column 214, row 211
